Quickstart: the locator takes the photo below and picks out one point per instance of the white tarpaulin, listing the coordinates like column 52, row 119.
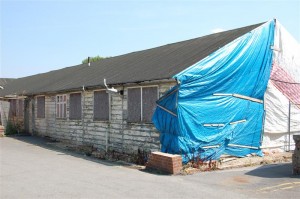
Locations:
column 283, row 88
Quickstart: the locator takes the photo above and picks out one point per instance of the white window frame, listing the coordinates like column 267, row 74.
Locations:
column 61, row 106
column 141, row 89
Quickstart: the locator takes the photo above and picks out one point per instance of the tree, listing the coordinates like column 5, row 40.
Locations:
column 93, row 59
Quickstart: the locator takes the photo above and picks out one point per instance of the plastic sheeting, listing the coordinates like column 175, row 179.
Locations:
column 217, row 107
column 284, row 85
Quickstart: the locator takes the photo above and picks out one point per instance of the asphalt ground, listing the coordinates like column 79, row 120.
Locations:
column 30, row 167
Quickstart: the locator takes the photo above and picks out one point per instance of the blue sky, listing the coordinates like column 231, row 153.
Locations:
column 39, row 36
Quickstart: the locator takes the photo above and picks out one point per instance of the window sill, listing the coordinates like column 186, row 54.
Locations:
column 75, row 119
column 139, row 122
column 104, row 121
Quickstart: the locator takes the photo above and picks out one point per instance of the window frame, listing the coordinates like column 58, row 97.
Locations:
column 37, row 107
column 109, row 106
column 61, row 106
column 141, row 108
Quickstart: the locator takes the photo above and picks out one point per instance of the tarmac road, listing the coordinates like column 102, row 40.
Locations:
column 31, row 168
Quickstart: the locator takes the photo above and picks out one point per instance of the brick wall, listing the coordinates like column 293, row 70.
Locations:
column 165, row 162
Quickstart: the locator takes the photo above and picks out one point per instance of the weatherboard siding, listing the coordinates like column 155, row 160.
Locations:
column 114, row 135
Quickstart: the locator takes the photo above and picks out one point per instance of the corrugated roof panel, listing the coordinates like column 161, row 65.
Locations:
column 152, row 64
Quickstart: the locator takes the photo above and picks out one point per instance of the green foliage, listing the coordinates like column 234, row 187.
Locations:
column 14, row 126
column 11, row 128
column 93, row 59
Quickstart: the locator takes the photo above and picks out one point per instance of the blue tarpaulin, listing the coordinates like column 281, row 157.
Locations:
column 217, row 106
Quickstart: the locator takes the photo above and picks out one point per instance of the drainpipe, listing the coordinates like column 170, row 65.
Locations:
column 109, row 122
column 33, row 130
column 82, row 114
column 122, row 97
column 289, row 126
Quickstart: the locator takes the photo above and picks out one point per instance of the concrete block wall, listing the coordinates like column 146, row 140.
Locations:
column 4, row 111
column 113, row 135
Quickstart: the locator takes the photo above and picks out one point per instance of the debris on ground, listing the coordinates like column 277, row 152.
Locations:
column 230, row 162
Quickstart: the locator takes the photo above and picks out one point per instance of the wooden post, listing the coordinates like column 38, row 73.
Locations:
column 296, row 155
column 289, row 126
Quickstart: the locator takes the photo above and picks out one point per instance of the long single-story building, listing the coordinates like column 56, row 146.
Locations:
column 74, row 105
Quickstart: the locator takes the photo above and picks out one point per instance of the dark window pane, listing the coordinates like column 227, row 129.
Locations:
column 75, row 106
column 60, row 110
column 65, row 110
column 149, row 102
column 101, row 105
column 20, row 108
column 134, row 105
column 41, row 107
column 57, row 110
column 13, row 108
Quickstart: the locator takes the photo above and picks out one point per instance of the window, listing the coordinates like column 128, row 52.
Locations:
column 101, row 106
column 75, row 106
column 13, row 108
column 61, row 106
column 134, row 105
column 40, row 107
column 141, row 103
column 16, row 108
column 150, row 95
column 20, row 108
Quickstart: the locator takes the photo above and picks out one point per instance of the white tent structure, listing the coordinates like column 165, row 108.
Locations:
column 282, row 98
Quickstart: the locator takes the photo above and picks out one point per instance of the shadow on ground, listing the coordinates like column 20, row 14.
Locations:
column 273, row 171
column 49, row 144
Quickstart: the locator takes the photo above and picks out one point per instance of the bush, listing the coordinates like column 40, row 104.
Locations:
column 11, row 128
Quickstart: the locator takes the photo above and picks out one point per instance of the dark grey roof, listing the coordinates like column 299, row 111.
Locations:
column 152, row 64
column 4, row 81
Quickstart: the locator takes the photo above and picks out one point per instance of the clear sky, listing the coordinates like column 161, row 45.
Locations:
column 39, row 36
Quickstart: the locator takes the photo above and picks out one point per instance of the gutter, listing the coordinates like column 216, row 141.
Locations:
column 168, row 80
column 8, row 97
